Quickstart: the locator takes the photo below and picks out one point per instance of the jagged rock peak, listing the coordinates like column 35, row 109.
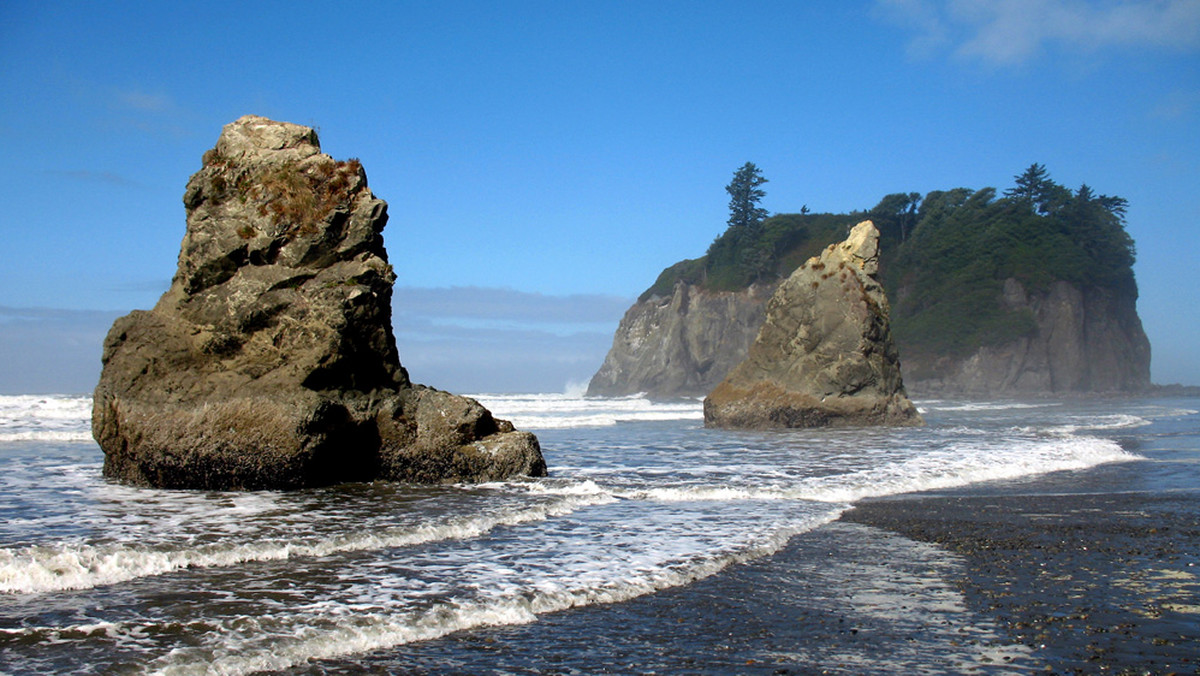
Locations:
column 271, row 362
column 824, row 355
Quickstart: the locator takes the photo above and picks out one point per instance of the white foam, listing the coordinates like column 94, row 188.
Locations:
column 45, row 418
column 563, row 411
column 956, row 467
column 43, row 568
column 977, row 406
column 339, row 630
column 1099, row 423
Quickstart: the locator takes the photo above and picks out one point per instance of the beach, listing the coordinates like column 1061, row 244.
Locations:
column 1105, row 582
column 1002, row 583
column 1004, row 538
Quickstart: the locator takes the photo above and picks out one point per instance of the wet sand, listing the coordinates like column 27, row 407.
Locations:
column 1009, row 583
column 1092, row 583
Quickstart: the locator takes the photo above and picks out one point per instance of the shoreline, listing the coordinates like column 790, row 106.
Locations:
column 1087, row 581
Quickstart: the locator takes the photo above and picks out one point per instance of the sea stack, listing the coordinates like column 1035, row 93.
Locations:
column 270, row 363
column 824, row 355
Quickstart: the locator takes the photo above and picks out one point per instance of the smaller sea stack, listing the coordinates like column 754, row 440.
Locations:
column 270, row 363
column 824, row 355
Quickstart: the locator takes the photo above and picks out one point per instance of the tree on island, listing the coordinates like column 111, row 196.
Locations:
column 1036, row 191
column 744, row 195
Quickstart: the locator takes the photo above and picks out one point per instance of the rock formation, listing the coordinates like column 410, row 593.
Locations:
column 270, row 362
column 1086, row 340
column 824, row 355
column 681, row 345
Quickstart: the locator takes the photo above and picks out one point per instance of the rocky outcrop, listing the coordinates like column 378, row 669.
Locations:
column 824, row 355
column 681, row 345
column 1083, row 341
column 270, row 362
column 1086, row 340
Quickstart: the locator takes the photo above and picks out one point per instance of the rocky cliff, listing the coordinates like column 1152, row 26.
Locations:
column 681, row 345
column 270, row 362
column 824, row 355
column 1087, row 340
column 1083, row 341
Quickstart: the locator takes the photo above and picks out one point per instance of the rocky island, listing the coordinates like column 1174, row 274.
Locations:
column 1029, row 294
column 824, row 355
column 270, row 363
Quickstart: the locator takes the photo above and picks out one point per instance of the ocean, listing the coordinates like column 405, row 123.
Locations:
column 654, row 546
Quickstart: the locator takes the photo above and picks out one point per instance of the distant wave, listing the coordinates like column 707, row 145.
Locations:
column 45, row 418
column 44, row 435
column 561, row 411
column 940, row 405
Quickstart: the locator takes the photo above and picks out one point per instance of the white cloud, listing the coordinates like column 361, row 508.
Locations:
column 922, row 17
column 1009, row 32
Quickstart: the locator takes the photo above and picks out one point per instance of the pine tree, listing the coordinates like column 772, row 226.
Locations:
column 744, row 195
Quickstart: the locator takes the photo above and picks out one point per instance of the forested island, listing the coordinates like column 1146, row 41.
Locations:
column 1027, row 291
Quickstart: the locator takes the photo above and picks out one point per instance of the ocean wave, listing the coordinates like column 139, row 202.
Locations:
column 45, row 418
column 45, row 435
column 977, row 406
column 279, row 642
column 956, row 466
column 44, row 568
column 564, row 411
column 959, row 466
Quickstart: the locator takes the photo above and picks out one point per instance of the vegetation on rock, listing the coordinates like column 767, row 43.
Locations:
column 945, row 256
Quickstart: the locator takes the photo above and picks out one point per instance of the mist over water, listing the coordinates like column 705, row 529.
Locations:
column 641, row 498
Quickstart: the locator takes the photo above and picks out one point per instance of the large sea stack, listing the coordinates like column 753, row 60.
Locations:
column 824, row 355
column 270, row 362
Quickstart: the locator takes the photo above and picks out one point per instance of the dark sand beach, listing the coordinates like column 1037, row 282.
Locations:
column 1099, row 583
column 1023, row 537
column 995, row 584
column 1079, row 572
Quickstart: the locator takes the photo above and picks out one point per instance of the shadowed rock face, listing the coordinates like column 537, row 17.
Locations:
column 270, row 362
column 824, row 355
column 681, row 345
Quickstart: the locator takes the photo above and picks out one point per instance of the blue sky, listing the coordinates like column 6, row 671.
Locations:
column 543, row 161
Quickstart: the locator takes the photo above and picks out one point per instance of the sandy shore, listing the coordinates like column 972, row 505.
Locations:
column 1009, row 583
column 1069, row 573
column 1101, row 583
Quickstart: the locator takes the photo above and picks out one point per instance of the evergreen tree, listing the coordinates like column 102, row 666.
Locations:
column 744, row 195
column 1037, row 192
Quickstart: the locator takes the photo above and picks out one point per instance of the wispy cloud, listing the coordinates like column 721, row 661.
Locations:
column 1177, row 105
column 474, row 339
column 88, row 176
column 50, row 350
column 464, row 339
column 496, row 304
column 140, row 100
column 1011, row 32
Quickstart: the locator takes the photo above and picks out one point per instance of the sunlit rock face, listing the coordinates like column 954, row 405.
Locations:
column 824, row 355
column 271, row 362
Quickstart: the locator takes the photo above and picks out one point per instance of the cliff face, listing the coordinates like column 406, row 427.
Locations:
column 681, row 345
column 824, row 355
column 1084, row 341
column 271, row 362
